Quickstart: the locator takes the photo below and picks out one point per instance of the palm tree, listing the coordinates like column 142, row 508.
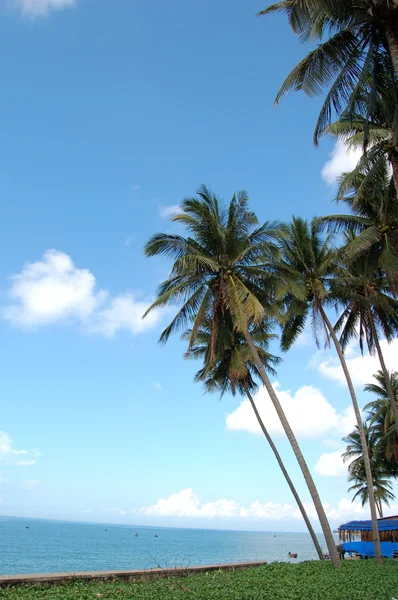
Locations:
column 372, row 129
column 382, row 420
column 217, row 272
column 368, row 310
column 307, row 265
column 360, row 36
column 382, row 488
column 357, row 55
column 232, row 371
column 373, row 204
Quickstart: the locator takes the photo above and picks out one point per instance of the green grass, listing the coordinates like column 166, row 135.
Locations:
column 356, row 580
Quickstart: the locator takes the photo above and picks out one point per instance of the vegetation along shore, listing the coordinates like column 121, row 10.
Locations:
column 356, row 580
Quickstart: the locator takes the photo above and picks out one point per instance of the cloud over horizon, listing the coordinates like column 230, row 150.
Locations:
column 186, row 503
column 54, row 290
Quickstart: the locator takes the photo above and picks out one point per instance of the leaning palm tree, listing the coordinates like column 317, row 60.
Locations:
column 356, row 37
column 307, row 265
column 232, row 371
column 382, row 488
column 369, row 310
column 382, row 420
column 217, row 271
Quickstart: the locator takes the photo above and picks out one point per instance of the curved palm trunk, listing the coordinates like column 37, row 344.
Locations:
column 366, row 460
column 380, row 507
column 392, row 42
column 386, row 373
column 327, row 532
column 286, row 475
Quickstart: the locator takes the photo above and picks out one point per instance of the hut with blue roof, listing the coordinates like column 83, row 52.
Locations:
column 356, row 537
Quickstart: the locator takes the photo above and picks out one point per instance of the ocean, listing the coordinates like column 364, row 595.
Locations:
column 42, row 546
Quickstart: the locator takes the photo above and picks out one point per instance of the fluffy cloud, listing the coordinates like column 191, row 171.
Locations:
column 331, row 464
column 308, row 412
column 187, row 504
column 361, row 368
column 10, row 454
column 37, row 8
column 169, row 211
column 54, row 290
column 341, row 160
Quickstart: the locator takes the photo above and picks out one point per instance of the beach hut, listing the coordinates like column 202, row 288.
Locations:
column 356, row 536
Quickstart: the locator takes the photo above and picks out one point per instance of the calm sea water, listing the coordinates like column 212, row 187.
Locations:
column 53, row 546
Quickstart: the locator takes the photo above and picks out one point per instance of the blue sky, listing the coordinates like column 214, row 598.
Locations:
column 111, row 113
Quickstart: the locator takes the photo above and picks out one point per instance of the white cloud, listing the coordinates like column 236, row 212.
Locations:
column 361, row 368
column 187, row 504
column 122, row 313
column 157, row 386
column 169, row 211
column 37, row 8
column 308, row 412
column 54, row 290
column 10, row 454
column 341, row 160
column 6, row 447
column 30, row 484
column 331, row 464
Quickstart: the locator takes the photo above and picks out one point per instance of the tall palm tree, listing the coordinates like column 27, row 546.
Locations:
column 232, row 371
column 307, row 265
column 382, row 488
column 355, row 36
column 382, row 420
column 217, row 272
column 369, row 310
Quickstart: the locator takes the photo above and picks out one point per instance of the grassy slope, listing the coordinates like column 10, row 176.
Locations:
column 357, row 580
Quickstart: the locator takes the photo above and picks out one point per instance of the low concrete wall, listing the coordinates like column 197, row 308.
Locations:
column 144, row 575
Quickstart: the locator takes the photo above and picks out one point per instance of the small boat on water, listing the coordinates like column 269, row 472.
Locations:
column 136, row 535
column 156, row 535
column 292, row 555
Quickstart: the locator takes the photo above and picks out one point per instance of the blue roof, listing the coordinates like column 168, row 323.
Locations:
column 384, row 525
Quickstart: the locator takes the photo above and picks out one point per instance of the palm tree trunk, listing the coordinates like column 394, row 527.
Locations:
column 392, row 42
column 327, row 532
column 380, row 506
column 394, row 166
column 286, row 475
column 386, row 373
column 365, row 451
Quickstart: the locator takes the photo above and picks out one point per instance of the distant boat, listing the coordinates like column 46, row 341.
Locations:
column 156, row 535
column 26, row 526
column 136, row 535
column 106, row 530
